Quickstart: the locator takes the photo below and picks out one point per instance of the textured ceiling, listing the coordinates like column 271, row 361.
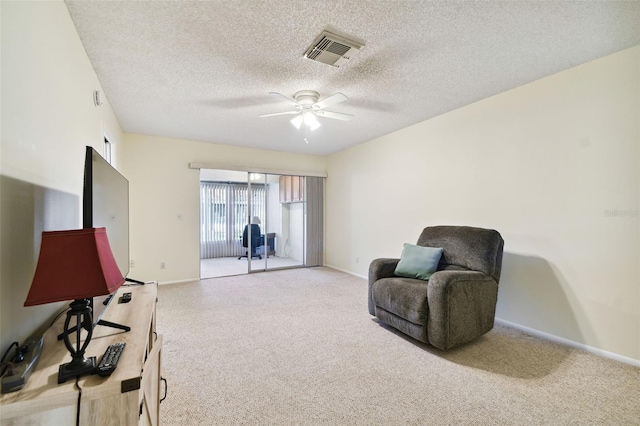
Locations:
column 202, row 70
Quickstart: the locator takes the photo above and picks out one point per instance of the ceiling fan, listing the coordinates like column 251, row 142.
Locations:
column 308, row 107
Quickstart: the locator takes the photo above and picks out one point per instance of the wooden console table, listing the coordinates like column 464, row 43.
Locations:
column 130, row 396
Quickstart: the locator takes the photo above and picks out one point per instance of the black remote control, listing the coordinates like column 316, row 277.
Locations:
column 109, row 360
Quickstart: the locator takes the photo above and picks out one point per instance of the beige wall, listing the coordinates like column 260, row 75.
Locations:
column 164, row 198
column 548, row 165
column 48, row 117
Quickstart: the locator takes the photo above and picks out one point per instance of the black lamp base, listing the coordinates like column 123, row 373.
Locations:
column 75, row 369
column 79, row 365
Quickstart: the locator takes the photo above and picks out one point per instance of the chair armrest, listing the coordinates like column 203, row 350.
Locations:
column 462, row 307
column 379, row 268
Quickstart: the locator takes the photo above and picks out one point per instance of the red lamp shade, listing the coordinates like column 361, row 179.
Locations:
column 75, row 264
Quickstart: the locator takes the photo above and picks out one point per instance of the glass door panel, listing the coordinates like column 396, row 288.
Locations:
column 258, row 191
column 273, row 229
column 223, row 216
column 285, row 223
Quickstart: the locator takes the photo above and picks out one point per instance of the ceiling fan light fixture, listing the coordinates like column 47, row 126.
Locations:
column 314, row 126
column 308, row 119
column 309, row 108
column 311, row 120
column 297, row 121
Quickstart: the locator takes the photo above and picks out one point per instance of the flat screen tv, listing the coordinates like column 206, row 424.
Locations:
column 105, row 203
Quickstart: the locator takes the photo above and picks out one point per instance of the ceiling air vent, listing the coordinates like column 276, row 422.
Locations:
column 332, row 49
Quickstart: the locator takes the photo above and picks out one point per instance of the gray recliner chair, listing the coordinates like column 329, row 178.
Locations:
column 458, row 302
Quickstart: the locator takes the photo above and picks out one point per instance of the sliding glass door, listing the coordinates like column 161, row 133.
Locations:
column 252, row 222
column 282, row 231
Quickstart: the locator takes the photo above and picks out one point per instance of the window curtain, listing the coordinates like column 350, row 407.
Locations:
column 223, row 216
column 314, row 191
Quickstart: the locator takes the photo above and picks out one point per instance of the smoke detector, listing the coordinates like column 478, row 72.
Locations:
column 332, row 49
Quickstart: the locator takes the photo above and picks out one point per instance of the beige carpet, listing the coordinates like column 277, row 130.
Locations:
column 298, row 347
column 227, row 266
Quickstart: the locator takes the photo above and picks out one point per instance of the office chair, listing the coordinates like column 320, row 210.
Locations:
column 257, row 240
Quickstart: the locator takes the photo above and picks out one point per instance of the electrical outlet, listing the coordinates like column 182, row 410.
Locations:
column 162, row 265
column 132, row 264
column 357, row 259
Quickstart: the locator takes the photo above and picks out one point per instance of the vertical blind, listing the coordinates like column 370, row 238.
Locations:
column 224, row 214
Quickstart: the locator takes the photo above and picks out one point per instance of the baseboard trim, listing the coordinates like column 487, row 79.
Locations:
column 178, row 281
column 571, row 343
column 347, row 272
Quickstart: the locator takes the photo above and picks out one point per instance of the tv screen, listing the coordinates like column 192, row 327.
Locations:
column 106, row 204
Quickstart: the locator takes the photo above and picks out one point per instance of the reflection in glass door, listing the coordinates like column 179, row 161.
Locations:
column 283, row 227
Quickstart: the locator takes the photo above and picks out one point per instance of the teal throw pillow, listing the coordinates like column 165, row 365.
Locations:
column 418, row 262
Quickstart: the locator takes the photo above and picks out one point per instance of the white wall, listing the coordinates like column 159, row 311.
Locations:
column 48, row 118
column 223, row 175
column 545, row 164
column 291, row 243
column 164, row 197
column 296, row 231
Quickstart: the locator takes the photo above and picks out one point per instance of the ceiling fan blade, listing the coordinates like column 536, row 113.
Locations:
column 331, row 100
column 283, row 97
column 279, row 113
column 336, row 115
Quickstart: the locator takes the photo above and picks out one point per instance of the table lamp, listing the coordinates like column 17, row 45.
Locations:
column 75, row 265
